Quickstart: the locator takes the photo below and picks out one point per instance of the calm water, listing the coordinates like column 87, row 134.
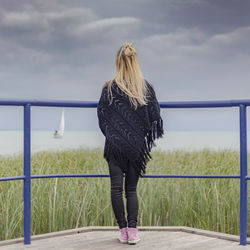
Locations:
column 12, row 141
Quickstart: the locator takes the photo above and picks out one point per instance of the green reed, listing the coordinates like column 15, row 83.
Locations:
column 67, row 203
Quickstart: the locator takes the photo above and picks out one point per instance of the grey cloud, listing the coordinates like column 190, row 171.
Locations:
column 195, row 43
column 61, row 31
column 57, row 41
column 33, row 28
column 108, row 22
column 235, row 42
column 193, row 64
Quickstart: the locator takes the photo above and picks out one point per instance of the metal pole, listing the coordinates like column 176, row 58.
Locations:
column 243, row 174
column 27, row 179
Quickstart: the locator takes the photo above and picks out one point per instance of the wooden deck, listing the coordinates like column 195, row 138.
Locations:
column 176, row 238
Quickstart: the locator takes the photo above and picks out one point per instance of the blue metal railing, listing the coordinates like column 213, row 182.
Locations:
column 242, row 104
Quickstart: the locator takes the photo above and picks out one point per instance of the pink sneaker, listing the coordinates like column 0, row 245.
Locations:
column 123, row 238
column 133, row 238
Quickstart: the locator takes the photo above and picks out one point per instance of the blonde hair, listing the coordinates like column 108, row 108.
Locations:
column 128, row 76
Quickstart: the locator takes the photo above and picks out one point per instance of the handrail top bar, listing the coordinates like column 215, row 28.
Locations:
column 48, row 103
column 204, row 104
column 93, row 104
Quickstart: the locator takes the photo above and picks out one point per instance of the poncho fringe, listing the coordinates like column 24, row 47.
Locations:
column 156, row 131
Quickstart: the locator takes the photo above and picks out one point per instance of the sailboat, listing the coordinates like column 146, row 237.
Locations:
column 59, row 133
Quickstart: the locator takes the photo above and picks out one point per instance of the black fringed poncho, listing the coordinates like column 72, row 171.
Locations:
column 129, row 133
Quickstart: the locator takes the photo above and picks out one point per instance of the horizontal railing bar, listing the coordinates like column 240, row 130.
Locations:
column 93, row 104
column 68, row 175
column 145, row 176
column 107, row 175
column 50, row 103
column 204, row 104
column 11, row 178
column 194, row 176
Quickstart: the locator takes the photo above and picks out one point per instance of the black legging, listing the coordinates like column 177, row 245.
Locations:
column 131, row 180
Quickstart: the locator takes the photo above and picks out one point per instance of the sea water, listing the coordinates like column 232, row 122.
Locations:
column 11, row 142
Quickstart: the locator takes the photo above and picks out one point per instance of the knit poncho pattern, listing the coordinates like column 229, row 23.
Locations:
column 129, row 133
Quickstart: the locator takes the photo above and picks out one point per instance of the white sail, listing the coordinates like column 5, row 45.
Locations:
column 59, row 133
column 62, row 124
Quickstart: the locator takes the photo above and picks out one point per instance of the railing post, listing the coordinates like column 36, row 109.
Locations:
column 243, row 174
column 27, row 179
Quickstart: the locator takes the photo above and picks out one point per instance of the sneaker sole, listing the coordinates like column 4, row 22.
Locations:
column 122, row 241
column 132, row 242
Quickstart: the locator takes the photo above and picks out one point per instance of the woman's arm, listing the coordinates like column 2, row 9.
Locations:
column 100, row 113
column 156, row 123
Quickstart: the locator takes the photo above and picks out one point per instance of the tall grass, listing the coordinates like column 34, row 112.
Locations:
column 65, row 203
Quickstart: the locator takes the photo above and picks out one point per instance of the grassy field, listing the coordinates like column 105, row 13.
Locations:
column 66, row 203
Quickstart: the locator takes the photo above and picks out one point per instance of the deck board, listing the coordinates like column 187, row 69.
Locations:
column 107, row 239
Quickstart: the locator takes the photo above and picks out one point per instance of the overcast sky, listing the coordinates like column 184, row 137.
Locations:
column 65, row 50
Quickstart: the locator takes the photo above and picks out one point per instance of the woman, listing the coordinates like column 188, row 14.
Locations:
column 129, row 117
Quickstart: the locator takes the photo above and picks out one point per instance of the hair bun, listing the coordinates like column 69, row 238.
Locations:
column 129, row 50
